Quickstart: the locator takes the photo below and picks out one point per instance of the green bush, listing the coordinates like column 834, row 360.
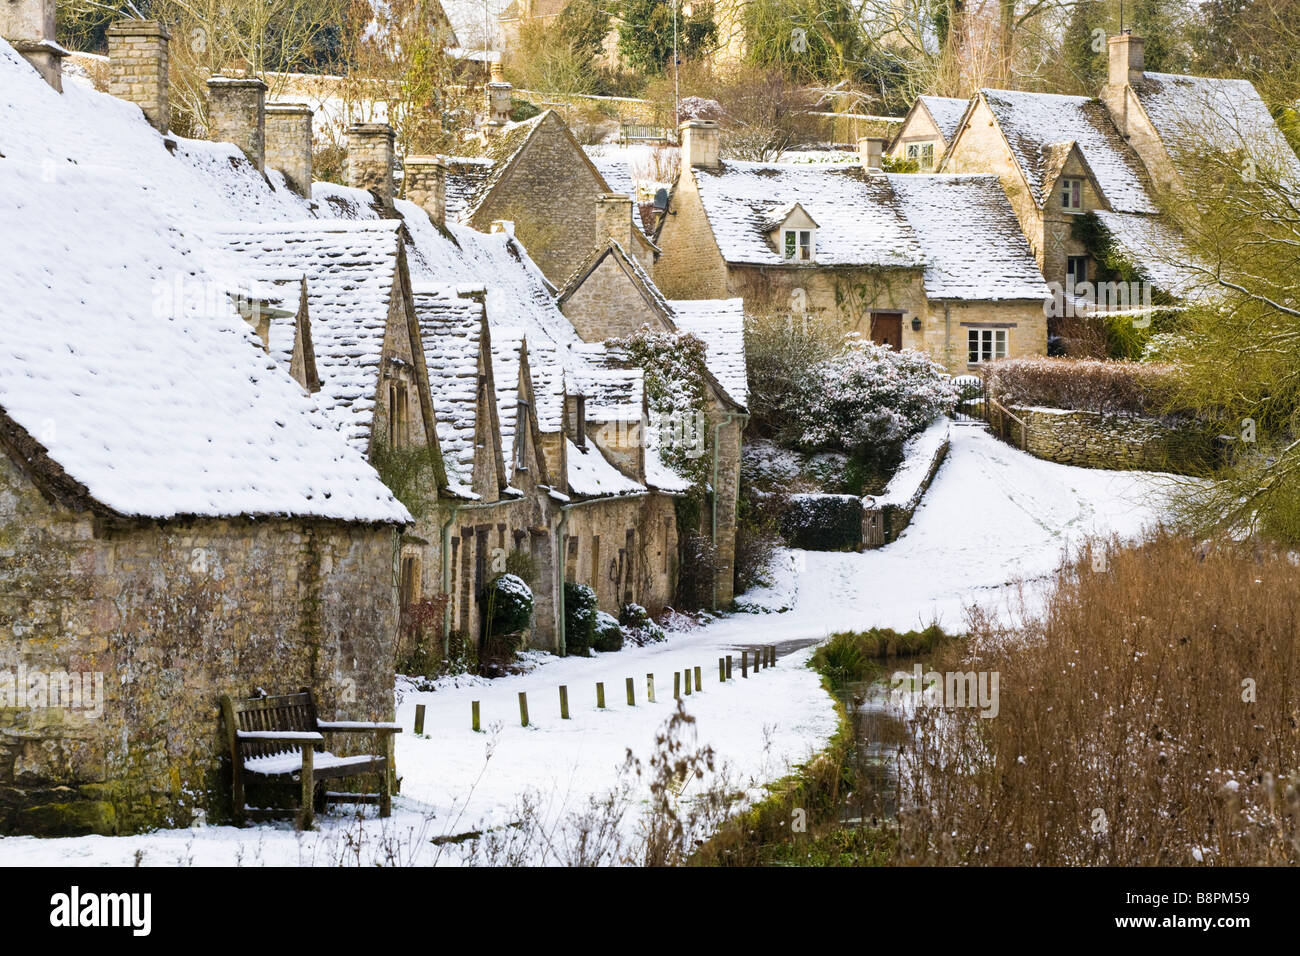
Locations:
column 822, row 522
column 609, row 634
column 855, row 655
column 509, row 604
column 638, row 626
column 580, row 612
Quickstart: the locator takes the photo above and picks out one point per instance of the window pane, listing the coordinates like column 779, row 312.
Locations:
column 805, row 244
column 972, row 346
column 789, row 244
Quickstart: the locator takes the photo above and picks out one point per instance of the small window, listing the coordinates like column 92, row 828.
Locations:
column 1076, row 271
column 798, row 244
column 398, row 415
column 409, row 585
column 1072, row 194
column 985, row 345
column 521, row 437
column 922, row 154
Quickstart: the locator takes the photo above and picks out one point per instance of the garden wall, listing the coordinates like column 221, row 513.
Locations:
column 1097, row 440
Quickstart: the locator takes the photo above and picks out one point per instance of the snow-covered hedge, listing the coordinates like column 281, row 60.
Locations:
column 609, row 635
column 868, row 399
column 638, row 626
column 822, row 522
column 580, row 616
column 1090, row 385
column 510, row 604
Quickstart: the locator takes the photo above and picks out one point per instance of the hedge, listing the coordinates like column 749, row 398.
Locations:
column 1090, row 385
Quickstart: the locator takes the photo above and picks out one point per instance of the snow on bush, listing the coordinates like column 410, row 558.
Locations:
column 510, row 604
column 698, row 108
column 609, row 635
column 1093, row 385
column 580, row 616
column 868, row 399
column 638, row 626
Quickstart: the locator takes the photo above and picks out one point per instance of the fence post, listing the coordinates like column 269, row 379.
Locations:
column 699, row 681
column 728, row 667
column 523, row 709
column 677, row 685
column 473, row 707
column 650, row 687
column 687, row 672
column 631, row 693
column 744, row 663
column 600, row 695
column 564, row 702
column 419, row 719
column 722, row 670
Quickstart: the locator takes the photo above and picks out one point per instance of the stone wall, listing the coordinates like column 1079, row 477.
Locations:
column 1094, row 440
column 625, row 548
column 173, row 615
column 288, row 144
column 137, row 53
column 237, row 114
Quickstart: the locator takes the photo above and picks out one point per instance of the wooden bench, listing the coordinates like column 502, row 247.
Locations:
column 275, row 739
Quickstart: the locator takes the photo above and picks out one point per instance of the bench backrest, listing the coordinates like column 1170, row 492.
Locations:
column 284, row 712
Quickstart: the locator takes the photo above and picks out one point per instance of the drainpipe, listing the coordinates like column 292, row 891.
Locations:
column 731, row 417
column 559, row 566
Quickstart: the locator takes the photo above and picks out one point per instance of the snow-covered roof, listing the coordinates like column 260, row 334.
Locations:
column 1033, row 121
column 1153, row 246
column 352, row 273
column 120, row 351
column 946, row 111
column 970, row 236
column 613, row 389
column 720, row 324
column 465, row 175
column 451, row 330
column 859, row 219
column 475, row 184
column 508, row 348
column 590, row 474
column 1193, row 114
column 475, row 22
column 636, row 273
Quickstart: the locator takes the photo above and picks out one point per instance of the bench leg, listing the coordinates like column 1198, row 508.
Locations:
column 386, row 790
column 308, row 787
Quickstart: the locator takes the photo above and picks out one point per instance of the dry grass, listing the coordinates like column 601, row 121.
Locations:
column 1127, row 734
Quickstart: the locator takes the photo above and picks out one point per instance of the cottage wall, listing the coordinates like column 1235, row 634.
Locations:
column 625, row 548
column 173, row 615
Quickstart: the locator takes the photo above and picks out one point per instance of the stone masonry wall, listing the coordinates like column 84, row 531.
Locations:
column 137, row 53
column 173, row 615
column 1094, row 440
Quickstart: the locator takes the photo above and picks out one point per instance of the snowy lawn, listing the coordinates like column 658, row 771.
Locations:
column 993, row 518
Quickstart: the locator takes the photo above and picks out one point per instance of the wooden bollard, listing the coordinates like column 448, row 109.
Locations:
column 564, row 702
column 419, row 719
column 699, row 681
column 600, row 696
column 677, row 685
column 744, row 663
column 722, row 670
column 473, row 707
column 728, row 667
column 523, row 709
column 687, row 672
column 758, row 660
column 631, row 693
column 650, row 687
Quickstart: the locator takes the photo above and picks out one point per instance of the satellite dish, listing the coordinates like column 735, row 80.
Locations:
column 661, row 199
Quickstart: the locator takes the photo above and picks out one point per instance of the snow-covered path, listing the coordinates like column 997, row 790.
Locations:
column 993, row 516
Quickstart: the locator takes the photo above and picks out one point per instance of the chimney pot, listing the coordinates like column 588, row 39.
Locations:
column 425, row 183
column 370, row 161
column 237, row 114
column 1126, row 60
column 137, row 68
column 700, row 144
column 871, row 151
column 288, row 144
column 28, row 25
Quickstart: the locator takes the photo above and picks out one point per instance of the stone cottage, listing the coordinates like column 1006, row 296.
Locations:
column 932, row 262
column 927, row 131
column 179, row 522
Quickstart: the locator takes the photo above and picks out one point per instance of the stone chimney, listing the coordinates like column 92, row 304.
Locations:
column 237, row 114
column 616, row 219
column 871, row 151
column 426, row 186
column 137, row 68
column 1126, row 63
column 370, row 160
column 28, row 25
column 288, row 144
column 499, row 107
column 700, row 145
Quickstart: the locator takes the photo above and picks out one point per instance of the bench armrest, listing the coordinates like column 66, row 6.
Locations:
column 359, row 726
column 282, row 736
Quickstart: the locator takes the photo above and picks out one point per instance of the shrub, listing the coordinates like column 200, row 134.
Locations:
column 854, row 655
column 1128, row 388
column 580, row 611
column 822, row 522
column 868, row 399
column 509, row 604
column 638, row 626
column 609, row 635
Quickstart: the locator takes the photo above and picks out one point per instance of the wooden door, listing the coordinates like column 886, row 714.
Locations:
column 887, row 329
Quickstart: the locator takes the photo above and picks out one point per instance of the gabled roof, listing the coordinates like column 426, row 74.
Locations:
column 974, row 249
column 127, row 378
column 1154, row 247
column 1193, row 114
column 861, row 224
column 290, row 342
column 1029, row 122
column 642, row 282
column 780, row 214
column 946, row 111
column 352, row 270
column 614, row 390
column 720, row 325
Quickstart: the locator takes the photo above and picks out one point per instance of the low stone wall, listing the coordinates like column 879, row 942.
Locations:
column 1096, row 440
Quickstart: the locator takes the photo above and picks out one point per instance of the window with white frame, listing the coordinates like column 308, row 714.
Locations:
column 985, row 345
column 1072, row 194
column 797, row 244
column 922, row 154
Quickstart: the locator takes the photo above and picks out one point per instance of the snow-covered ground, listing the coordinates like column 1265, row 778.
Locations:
column 993, row 518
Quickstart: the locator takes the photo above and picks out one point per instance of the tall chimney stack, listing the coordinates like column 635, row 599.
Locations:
column 1126, row 64
column 370, row 160
column 288, row 144
column 616, row 219
column 871, row 151
column 237, row 113
column 137, row 68
column 28, row 25
column 425, row 183
column 499, row 105
column 700, row 144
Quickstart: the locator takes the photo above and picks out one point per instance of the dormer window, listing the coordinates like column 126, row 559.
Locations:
column 1072, row 194
column 797, row 244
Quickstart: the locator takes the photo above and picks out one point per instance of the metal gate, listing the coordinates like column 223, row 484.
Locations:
column 972, row 400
